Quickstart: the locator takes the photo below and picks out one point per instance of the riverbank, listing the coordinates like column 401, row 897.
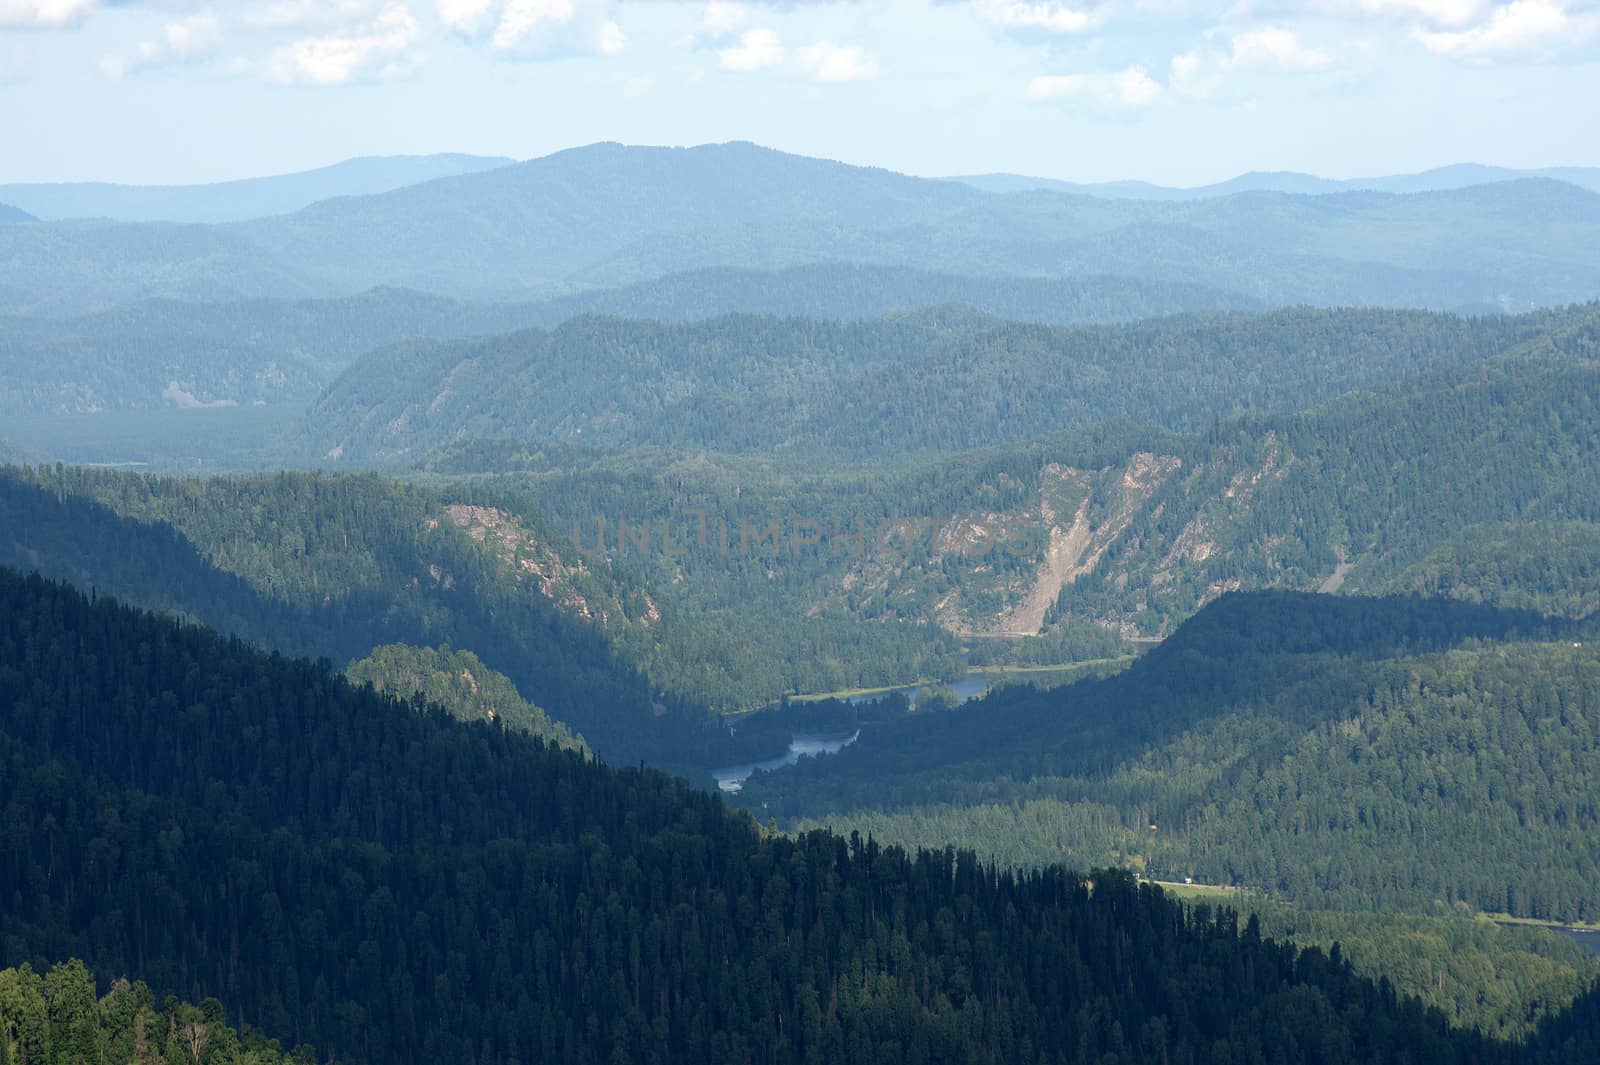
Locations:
column 1560, row 926
column 986, row 673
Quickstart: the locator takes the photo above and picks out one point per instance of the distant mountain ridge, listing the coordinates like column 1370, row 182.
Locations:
column 1438, row 179
column 236, row 201
column 609, row 215
column 939, row 382
column 153, row 353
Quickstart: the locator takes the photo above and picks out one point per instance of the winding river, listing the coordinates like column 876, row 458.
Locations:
column 732, row 778
column 1583, row 937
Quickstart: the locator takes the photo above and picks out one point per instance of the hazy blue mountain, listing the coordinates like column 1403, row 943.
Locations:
column 1439, row 179
column 168, row 353
column 165, row 354
column 845, row 291
column 60, row 268
column 610, row 215
column 12, row 214
column 233, row 201
column 548, row 219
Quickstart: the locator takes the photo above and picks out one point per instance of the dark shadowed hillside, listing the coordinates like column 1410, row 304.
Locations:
column 217, row 822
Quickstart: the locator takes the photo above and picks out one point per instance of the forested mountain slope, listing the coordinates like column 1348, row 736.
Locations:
column 338, row 567
column 1575, row 1036
column 57, row 1014
column 335, row 566
column 1355, row 753
column 9, row 213
column 1479, row 483
column 937, row 380
column 459, row 682
column 394, row 886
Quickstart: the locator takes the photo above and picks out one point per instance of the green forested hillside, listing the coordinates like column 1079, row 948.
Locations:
column 336, row 566
column 1058, row 549
column 1504, row 980
column 1353, row 753
column 459, row 682
column 13, row 214
column 58, row 1015
column 1552, row 566
column 1574, row 1036
column 392, row 886
column 938, row 380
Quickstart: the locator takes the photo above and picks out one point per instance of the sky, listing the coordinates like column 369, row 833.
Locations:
column 1179, row 92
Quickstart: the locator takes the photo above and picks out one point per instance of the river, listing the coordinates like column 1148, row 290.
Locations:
column 968, row 687
column 1583, row 937
column 732, row 778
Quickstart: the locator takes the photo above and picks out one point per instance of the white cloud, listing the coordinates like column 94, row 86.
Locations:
column 44, row 14
column 304, row 14
column 1198, row 72
column 525, row 22
column 755, row 50
column 537, row 28
column 181, row 41
column 1049, row 16
column 383, row 48
column 1128, row 90
column 469, row 17
column 829, row 62
column 612, row 41
column 719, row 19
column 1277, row 46
column 1483, row 29
column 1522, row 26
column 1440, row 13
column 1203, row 71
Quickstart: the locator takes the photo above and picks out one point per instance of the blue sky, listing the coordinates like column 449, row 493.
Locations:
column 1175, row 91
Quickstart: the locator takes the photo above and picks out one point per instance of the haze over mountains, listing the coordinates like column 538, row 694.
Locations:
column 1249, row 535
column 284, row 351
column 609, row 215
column 1439, row 179
column 235, row 201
